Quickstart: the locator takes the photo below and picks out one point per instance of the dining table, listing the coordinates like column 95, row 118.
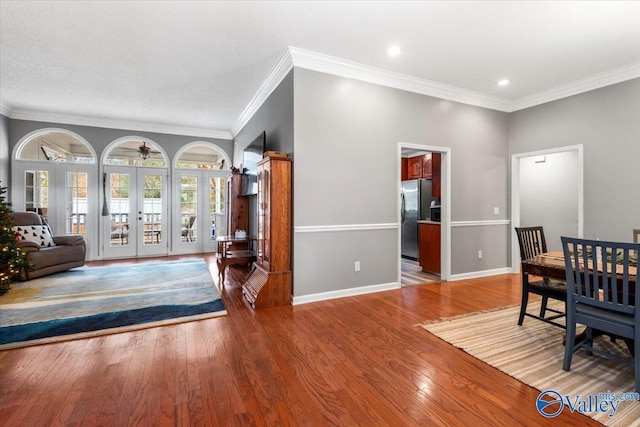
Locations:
column 551, row 265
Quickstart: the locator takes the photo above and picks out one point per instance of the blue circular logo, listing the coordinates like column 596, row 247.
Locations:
column 551, row 406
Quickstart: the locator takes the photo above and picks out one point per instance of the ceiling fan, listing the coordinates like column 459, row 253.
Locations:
column 143, row 151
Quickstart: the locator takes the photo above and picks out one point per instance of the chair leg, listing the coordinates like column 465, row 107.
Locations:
column 589, row 341
column 569, row 342
column 525, row 299
column 636, row 363
column 543, row 306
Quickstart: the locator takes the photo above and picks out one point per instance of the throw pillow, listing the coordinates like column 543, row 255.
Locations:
column 36, row 233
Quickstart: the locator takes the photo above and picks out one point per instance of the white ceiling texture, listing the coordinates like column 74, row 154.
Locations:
column 201, row 68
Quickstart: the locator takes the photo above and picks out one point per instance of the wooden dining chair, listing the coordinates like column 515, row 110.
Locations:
column 602, row 295
column 532, row 243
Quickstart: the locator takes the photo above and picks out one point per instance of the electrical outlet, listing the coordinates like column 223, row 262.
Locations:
column 480, row 254
column 356, row 266
column 496, row 211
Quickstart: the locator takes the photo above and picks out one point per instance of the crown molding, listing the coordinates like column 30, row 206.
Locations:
column 39, row 116
column 301, row 58
column 597, row 81
column 272, row 81
column 4, row 110
column 353, row 70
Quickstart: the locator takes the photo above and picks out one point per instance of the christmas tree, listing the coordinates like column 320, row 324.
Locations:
column 12, row 259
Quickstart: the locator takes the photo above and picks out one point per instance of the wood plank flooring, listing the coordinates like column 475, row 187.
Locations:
column 356, row 361
column 411, row 274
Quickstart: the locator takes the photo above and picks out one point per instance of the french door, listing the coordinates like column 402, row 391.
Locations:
column 135, row 218
column 65, row 194
column 198, row 208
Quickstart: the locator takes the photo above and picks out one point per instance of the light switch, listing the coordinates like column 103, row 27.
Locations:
column 496, row 211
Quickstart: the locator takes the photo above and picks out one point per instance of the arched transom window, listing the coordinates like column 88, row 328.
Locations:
column 203, row 156
column 136, row 152
column 56, row 147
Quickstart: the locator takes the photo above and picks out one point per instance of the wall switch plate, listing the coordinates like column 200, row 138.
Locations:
column 356, row 266
column 496, row 211
column 480, row 254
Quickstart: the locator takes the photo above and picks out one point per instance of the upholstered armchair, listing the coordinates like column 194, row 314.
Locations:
column 46, row 253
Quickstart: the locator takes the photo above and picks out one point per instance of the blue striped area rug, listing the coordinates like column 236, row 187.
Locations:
column 91, row 301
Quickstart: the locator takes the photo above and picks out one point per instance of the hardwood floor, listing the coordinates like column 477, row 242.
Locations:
column 411, row 274
column 351, row 361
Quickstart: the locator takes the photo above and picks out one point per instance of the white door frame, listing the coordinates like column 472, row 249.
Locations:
column 515, row 195
column 203, row 243
column 58, row 197
column 445, row 203
column 135, row 246
column 163, row 247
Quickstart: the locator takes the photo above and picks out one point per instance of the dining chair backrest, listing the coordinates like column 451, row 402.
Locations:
column 531, row 241
column 602, row 274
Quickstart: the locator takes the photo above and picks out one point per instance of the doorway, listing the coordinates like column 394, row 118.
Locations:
column 547, row 190
column 136, row 224
column 408, row 274
column 199, row 210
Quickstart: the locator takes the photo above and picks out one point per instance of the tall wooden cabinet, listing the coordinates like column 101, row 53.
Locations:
column 269, row 283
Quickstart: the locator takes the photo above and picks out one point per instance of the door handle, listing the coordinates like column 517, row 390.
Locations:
column 402, row 210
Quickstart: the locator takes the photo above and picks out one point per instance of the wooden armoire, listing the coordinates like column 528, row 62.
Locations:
column 269, row 283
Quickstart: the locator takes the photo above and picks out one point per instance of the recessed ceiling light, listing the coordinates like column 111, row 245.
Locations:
column 393, row 51
column 503, row 82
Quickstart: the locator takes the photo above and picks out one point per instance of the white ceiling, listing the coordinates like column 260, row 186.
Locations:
column 195, row 67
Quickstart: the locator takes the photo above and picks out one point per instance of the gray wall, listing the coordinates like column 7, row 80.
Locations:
column 607, row 122
column 275, row 117
column 549, row 195
column 99, row 138
column 5, row 157
column 346, row 172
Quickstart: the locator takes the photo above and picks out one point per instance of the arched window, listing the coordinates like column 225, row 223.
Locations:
column 55, row 146
column 54, row 173
column 135, row 151
column 201, row 156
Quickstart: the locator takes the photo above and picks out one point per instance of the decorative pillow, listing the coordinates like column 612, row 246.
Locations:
column 35, row 233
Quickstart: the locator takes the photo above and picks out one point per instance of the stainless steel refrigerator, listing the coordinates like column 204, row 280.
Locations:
column 415, row 201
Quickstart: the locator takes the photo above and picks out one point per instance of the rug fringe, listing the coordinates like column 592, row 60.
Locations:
column 462, row 316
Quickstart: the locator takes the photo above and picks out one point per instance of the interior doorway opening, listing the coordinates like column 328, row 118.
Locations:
column 423, row 214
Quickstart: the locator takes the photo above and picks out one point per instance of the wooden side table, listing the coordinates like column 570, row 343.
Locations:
column 227, row 256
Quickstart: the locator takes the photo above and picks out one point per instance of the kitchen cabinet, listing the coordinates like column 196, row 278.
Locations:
column 269, row 283
column 421, row 167
column 427, row 166
column 404, row 169
column 429, row 241
column 436, row 174
column 414, row 167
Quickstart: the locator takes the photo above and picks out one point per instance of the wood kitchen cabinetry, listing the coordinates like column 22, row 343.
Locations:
column 427, row 166
column 429, row 241
column 414, row 167
column 436, row 175
column 269, row 283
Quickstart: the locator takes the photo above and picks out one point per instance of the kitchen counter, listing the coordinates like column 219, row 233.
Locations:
column 426, row 221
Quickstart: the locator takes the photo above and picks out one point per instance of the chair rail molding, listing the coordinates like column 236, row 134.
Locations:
column 480, row 223
column 343, row 227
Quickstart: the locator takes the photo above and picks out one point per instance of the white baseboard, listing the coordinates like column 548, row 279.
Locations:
column 322, row 296
column 483, row 273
